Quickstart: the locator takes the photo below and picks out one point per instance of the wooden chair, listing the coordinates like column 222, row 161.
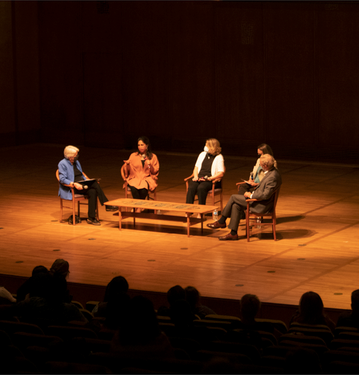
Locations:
column 151, row 194
column 253, row 216
column 76, row 198
column 213, row 193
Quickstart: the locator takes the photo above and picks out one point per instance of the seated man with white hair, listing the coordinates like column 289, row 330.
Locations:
column 70, row 171
column 264, row 195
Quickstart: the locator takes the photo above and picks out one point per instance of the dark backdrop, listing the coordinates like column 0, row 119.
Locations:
column 103, row 73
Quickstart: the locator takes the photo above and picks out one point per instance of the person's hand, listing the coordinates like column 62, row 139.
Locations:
column 251, row 182
column 195, row 179
column 78, row 186
column 247, row 194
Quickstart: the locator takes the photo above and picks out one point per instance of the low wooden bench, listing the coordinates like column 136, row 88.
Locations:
column 183, row 208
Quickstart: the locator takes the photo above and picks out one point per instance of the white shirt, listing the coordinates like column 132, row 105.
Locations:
column 217, row 165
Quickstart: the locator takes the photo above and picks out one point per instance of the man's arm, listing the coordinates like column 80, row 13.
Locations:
column 271, row 184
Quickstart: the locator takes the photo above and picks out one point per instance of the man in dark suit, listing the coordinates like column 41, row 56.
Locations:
column 237, row 204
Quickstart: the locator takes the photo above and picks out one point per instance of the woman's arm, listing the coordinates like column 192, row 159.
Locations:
column 154, row 166
column 195, row 174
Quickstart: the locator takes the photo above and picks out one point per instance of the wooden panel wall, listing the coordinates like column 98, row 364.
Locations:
column 245, row 72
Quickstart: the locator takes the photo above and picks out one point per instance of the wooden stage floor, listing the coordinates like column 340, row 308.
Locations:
column 318, row 230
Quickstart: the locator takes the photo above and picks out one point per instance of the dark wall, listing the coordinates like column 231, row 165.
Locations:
column 19, row 79
column 285, row 73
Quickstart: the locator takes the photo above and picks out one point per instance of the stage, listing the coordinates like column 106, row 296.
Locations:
column 317, row 230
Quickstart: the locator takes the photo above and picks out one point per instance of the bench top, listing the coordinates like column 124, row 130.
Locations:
column 159, row 205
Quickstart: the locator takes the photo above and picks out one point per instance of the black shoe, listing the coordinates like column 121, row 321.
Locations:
column 111, row 208
column 71, row 222
column 93, row 221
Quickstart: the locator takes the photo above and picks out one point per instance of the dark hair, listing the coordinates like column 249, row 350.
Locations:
column 311, row 308
column 250, row 305
column 117, row 286
column 192, row 296
column 175, row 293
column 39, row 269
column 146, row 141
column 266, row 149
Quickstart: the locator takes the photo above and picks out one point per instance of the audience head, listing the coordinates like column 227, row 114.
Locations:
column 267, row 162
column 116, row 287
column 39, row 269
column 355, row 300
column 175, row 293
column 60, row 268
column 249, row 307
column 213, row 145
column 50, row 287
column 264, row 149
column 70, row 151
column 144, row 146
column 311, row 307
column 192, row 296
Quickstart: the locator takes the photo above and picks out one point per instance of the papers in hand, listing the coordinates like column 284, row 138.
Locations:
column 88, row 183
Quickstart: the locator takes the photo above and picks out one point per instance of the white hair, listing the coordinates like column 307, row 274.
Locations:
column 70, row 150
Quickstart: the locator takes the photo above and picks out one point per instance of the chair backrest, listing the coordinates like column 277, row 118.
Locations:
column 124, row 171
column 57, row 175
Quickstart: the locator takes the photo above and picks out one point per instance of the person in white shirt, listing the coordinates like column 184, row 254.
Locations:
column 209, row 167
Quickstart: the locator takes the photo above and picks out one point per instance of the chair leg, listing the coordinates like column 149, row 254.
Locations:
column 61, row 210
column 247, row 226
column 274, row 230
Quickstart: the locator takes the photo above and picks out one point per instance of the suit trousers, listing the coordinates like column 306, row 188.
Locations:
column 234, row 209
column 93, row 192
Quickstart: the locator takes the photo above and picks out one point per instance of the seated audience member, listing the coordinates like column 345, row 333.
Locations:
column 257, row 172
column 70, row 173
column 249, row 308
column 142, row 169
column 173, row 294
column 61, row 268
column 209, row 166
column 116, row 289
column 114, row 303
column 26, row 287
column 351, row 319
column 194, row 299
column 47, row 304
column 311, row 311
column 139, row 335
column 237, row 204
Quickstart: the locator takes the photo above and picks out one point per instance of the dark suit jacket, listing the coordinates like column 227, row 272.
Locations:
column 265, row 192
